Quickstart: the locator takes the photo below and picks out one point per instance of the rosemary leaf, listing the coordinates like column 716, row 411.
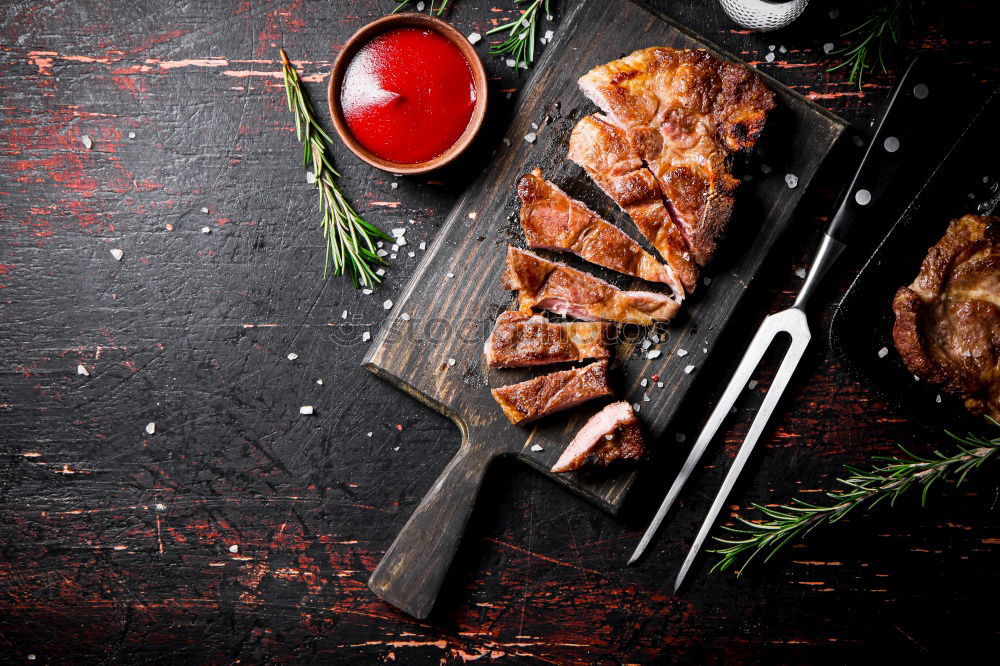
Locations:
column 349, row 240
column 521, row 34
column 888, row 479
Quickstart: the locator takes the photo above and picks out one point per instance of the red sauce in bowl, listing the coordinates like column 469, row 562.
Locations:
column 408, row 95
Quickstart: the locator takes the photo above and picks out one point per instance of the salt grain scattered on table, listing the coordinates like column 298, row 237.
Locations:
column 310, row 177
column 688, row 369
column 343, row 315
column 319, row 381
column 450, row 275
column 369, row 434
column 206, row 230
column 800, row 272
column 891, row 144
column 405, row 316
column 392, row 256
column 510, row 62
column 366, row 336
column 420, row 6
column 646, row 344
column 234, row 548
column 451, row 361
column 682, row 352
column 536, row 448
column 398, row 231
column 85, row 140
column 380, row 252
column 423, row 245
column 410, row 254
column 292, row 356
column 644, row 382
column 530, row 137
column 659, row 384
column 204, row 210
column 655, row 353
column 882, row 353
column 131, row 135
column 783, row 49
column 366, row 291
column 117, row 254
column 81, row 370
column 636, row 406
column 472, row 215
column 752, row 385
column 938, row 398
column 769, row 57
column 474, row 38
column 645, row 397
column 306, row 409
column 395, row 247
column 791, row 180
column 506, row 141
column 834, row 13
column 863, row 197
column 150, row 428
column 387, row 304
column 549, row 35
column 394, row 185
column 380, row 272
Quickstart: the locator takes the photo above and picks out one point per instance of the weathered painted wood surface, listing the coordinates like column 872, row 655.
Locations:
column 240, row 530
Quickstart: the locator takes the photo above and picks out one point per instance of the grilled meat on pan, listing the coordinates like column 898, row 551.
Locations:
column 521, row 338
column 556, row 287
column 948, row 321
column 554, row 392
column 611, row 434
column 682, row 113
column 553, row 221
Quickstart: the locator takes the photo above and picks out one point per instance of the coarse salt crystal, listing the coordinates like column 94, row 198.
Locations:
column 380, row 272
column 536, row 448
column 783, row 49
column 769, row 57
column 204, row 210
column 306, row 409
column 938, row 398
column 882, row 353
column 410, row 254
column 206, row 230
column 393, row 185
column 549, row 34
column 655, row 353
column 474, row 38
column 234, row 548
column 766, row 169
column 366, row 336
column 510, row 62
column 472, row 215
column 423, row 245
column 644, row 382
column 828, row 47
column 401, row 241
column 343, row 315
column 117, row 254
column 645, row 398
column 450, row 275
column 659, row 384
column 292, row 356
column 609, row 436
column 420, row 6
column 800, row 272
column 530, row 137
column 319, row 381
column 395, row 247
column 636, row 406
column 752, row 385
column 688, row 369
column 310, row 177
column 770, row 47
column 405, row 316
column 646, row 344
column 791, row 180
column 506, row 141
column 85, row 140
column 387, row 304
column 534, row 125
column 81, row 370
column 682, row 352
column 366, row 291
column 392, row 255
column 150, row 427
column 398, row 231
column 369, row 434
column 451, row 361
column 380, row 252
column 131, row 135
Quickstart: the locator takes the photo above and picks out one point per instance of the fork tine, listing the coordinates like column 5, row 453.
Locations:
column 769, row 328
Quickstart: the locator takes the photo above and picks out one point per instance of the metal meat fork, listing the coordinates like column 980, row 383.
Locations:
column 793, row 322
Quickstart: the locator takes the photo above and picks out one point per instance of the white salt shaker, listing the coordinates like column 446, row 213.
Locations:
column 764, row 15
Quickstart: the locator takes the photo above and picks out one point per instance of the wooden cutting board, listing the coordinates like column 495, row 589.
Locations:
column 431, row 347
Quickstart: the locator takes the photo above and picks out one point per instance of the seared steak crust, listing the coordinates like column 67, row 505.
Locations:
column 521, row 338
column 947, row 325
column 554, row 392
column 684, row 112
column 610, row 435
column 553, row 221
column 556, row 287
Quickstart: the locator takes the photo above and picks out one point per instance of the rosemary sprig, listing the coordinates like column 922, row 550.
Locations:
column 870, row 39
column 521, row 33
column 349, row 239
column 888, row 480
column 404, row 4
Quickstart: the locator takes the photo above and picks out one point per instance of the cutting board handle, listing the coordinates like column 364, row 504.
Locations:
column 413, row 569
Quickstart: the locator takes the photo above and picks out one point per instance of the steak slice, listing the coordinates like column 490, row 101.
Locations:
column 947, row 325
column 611, row 434
column 604, row 151
column 521, row 338
column 553, row 221
column 556, row 287
column 554, row 392
column 685, row 112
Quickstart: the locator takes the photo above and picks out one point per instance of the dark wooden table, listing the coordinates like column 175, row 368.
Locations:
column 242, row 531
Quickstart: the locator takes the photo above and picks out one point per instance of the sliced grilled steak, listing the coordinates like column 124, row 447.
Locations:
column 521, row 339
column 554, row 392
column 605, row 152
column 553, row 221
column 685, row 112
column 558, row 288
column 611, row 434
